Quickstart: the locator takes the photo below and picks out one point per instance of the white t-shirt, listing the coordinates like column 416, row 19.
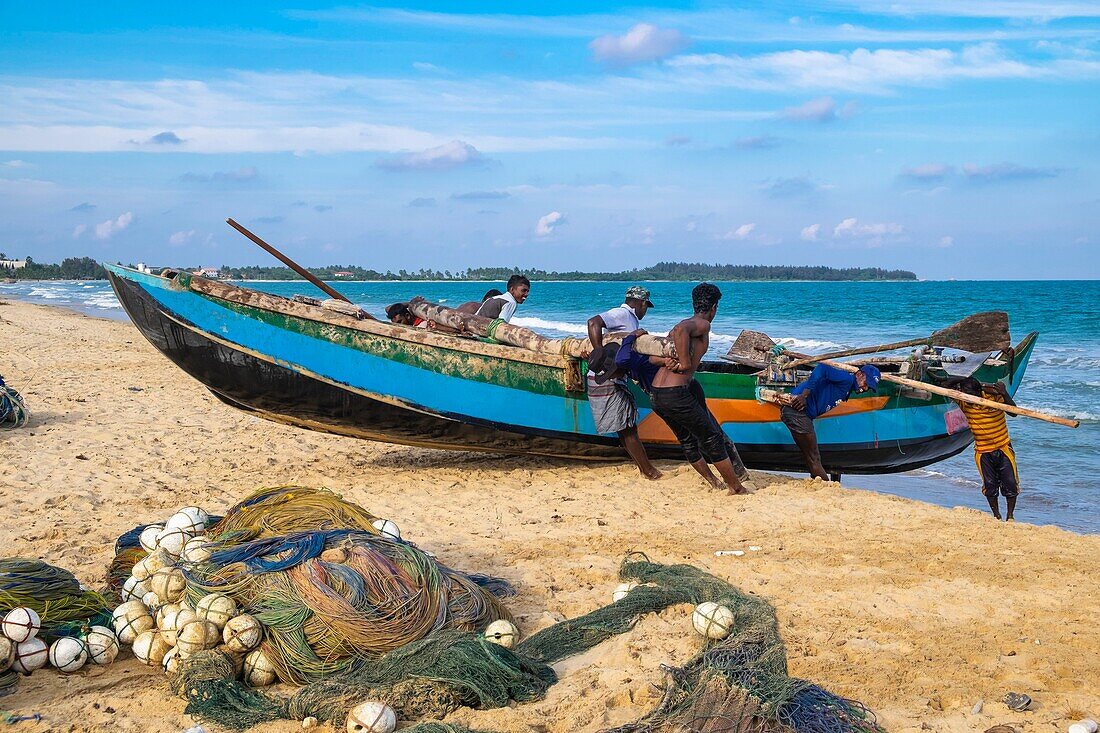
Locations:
column 507, row 307
column 619, row 320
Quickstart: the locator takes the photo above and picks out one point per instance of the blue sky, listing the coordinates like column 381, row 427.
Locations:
column 956, row 138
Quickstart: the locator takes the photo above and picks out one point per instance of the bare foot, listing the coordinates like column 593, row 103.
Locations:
column 653, row 474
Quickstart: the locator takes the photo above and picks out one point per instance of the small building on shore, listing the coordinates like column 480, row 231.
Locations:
column 13, row 264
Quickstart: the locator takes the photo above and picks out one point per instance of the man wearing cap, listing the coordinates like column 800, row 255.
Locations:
column 826, row 388
column 612, row 403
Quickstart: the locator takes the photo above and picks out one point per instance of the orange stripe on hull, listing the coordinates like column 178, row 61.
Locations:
column 654, row 430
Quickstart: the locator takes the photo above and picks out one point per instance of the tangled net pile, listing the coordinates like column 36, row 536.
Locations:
column 13, row 411
column 333, row 595
column 54, row 594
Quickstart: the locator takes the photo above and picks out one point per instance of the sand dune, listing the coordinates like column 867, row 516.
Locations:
column 918, row 611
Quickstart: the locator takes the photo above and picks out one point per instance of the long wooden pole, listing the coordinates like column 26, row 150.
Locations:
column 960, row 396
column 331, row 292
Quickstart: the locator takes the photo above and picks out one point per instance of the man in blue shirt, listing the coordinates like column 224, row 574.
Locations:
column 826, row 388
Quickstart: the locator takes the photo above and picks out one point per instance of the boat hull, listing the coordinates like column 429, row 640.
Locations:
column 245, row 376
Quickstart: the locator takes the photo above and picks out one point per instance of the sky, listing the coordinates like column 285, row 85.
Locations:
column 954, row 138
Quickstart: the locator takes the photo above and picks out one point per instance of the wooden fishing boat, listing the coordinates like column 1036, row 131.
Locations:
column 301, row 364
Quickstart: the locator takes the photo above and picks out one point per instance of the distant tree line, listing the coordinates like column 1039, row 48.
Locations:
column 85, row 268
column 71, row 268
column 695, row 271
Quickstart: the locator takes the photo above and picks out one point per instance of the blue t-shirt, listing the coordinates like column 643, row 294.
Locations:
column 636, row 365
column 826, row 388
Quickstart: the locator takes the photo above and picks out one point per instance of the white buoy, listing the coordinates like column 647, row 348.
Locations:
column 102, row 645
column 196, row 636
column 30, row 655
column 173, row 539
column 68, row 654
column 502, row 632
column 622, row 590
column 173, row 621
column 190, row 519
column 387, row 528
column 169, row 584
column 216, row 608
column 21, row 623
column 150, row 648
column 242, row 633
column 148, row 538
column 258, row 669
column 197, row 549
column 131, row 619
column 1083, row 726
column 372, row 717
column 171, row 661
column 133, row 589
column 712, row 620
column 152, row 601
column 7, row 653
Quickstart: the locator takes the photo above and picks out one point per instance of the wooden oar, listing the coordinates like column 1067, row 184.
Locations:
column 980, row 332
column 331, row 292
column 757, row 345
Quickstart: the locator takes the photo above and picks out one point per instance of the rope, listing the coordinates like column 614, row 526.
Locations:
column 491, row 332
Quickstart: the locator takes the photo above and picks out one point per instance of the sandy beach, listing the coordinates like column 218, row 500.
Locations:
column 919, row 612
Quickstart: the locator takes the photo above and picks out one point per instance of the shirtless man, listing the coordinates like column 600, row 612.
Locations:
column 679, row 400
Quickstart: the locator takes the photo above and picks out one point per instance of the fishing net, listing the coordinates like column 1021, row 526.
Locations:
column 738, row 684
column 13, row 410
column 53, row 593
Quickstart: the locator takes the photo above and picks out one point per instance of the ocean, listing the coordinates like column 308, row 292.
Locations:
column 1059, row 467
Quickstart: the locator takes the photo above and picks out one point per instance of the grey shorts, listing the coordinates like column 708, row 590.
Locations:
column 613, row 406
column 796, row 421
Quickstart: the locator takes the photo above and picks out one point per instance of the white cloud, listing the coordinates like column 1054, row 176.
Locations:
column 78, row 230
column 872, row 70
column 647, row 234
column 947, row 241
column 810, row 233
column 643, row 42
column 109, row 228
column 873, row 232
column 818, row 110
column 180, row 237
column 1020, row 9
column 928, row 171
column 548, row 223
column 454, row 154
column 740, row 232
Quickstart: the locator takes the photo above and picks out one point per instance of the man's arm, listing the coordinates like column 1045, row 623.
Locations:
column 596, row 326
column 999, row 390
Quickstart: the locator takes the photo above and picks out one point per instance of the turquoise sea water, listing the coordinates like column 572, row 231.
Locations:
column 1059, row 467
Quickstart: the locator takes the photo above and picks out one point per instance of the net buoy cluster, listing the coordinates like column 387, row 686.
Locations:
column 13, row 410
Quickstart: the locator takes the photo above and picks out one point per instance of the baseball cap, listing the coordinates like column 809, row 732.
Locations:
column 872, row 374
column 640, row 293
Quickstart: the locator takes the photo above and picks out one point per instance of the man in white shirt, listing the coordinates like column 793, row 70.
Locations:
column 504, row 306
column 611, row 401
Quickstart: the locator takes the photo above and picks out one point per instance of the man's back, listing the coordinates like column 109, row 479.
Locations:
column 692, row 339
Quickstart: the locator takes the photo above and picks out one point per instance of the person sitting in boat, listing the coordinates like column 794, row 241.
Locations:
column 473, row 305
column 993, row 451
column 678, row 398
column 400, row 314
column 609, row 398
column 504, row 306
column 826, row 388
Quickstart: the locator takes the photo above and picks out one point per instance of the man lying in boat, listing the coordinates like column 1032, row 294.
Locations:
column 504, row 306
column 678, row 398
column 992, row 446
column 611, row 401
column 826, row 388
